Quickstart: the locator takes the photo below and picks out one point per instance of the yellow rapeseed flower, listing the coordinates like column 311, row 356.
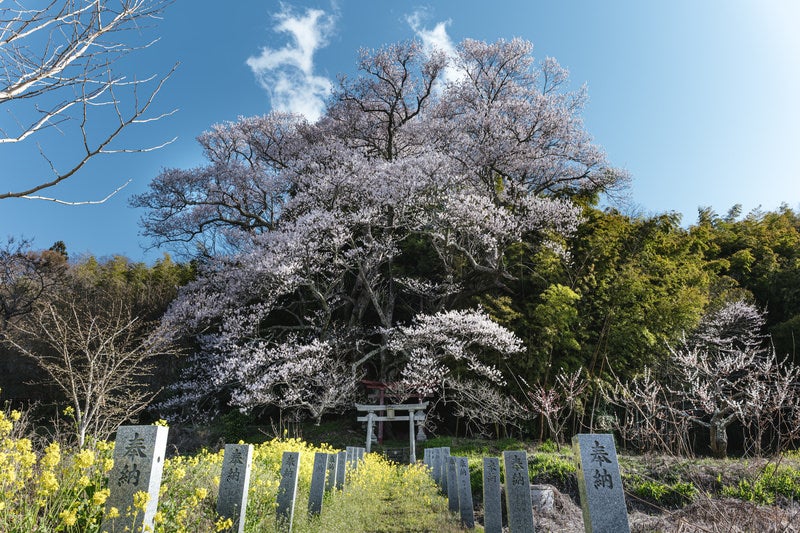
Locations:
column 84, row 459
column 15, row 415
column 223, row 524
column 108, row 464
column 201, row 493
column 52, row 455
column 5, row 425
column 140, row 500
column 100, row 496
column 68, row 517
column 48, row 483
column 112, row 513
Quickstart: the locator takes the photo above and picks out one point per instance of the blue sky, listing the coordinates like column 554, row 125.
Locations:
column 698, row 100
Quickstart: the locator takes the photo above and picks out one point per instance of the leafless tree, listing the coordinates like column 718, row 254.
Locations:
column 483, row 407
column 24, row 276
column 58, row 72
column 96, row 351
column 647, row 418
column 556, row 404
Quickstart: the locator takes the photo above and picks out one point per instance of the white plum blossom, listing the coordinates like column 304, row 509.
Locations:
column 727, row 371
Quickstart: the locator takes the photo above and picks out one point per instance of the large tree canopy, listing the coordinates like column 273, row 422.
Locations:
column 362, row 238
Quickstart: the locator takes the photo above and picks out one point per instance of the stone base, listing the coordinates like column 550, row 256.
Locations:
column 542, row 498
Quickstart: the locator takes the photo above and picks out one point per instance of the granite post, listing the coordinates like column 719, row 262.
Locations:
column 234, row 482
column 138, row 465
column 600, row 484
column 492, row 506
column 287, row 491
column 518, row 492
column 452, row 485
column 464, row 492
column 317, row 490
column 443, row 474
column 341, row 469
column 330, row 476
column 436, row 465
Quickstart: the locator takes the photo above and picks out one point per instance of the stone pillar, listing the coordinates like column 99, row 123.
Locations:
column 287, row 491
column 234, row 482
column 139, row 453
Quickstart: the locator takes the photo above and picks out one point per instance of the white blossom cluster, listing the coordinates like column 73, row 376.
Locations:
column 322, row 240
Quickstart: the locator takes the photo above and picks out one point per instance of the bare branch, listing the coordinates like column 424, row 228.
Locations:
column 83, row 202
column 57, row 71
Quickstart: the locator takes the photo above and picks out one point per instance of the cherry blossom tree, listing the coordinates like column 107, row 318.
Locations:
column 361, row 239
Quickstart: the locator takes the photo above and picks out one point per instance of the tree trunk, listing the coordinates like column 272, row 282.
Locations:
column 719, row 435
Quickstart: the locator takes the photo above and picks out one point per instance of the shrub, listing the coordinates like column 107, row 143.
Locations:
column 675, row 494
column 773, row 481
column 551, row 467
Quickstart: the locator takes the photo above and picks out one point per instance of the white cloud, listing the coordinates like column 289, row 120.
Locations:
column 435, row 39
column 288, row 73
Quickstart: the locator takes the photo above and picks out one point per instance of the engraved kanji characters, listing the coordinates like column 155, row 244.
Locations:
column 599, row 455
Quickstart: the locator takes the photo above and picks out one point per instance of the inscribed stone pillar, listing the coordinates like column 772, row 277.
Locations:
column 436, row 465
column 317, row 490
column 518, row 492
column 287, row 491
column 138, row 465
column 464, row 493
column 330, row 476
column 492, row 506
column 443, row 474
column 600, row 484
column 341, row 469
column 234, row 482
column 452, row 485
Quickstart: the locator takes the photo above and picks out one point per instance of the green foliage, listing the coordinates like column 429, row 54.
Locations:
column 548, row 446
column 676, row 494
column 509, row 443
column 551, row 466
column 759, row 253
column 773, row 481
column 234, row 425
column 647, row 285
column 475, row 474
column 149, row 289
